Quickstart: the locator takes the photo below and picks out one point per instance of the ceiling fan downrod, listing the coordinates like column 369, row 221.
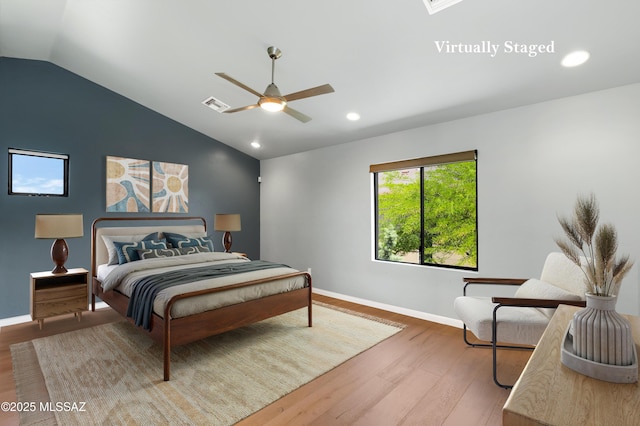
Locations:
column 274, row 53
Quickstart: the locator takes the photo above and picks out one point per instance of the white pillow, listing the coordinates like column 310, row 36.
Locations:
column 536, row 289
column 111, row 248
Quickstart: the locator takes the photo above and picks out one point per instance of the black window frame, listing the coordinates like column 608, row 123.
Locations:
column 421, row 164
column 44, row 154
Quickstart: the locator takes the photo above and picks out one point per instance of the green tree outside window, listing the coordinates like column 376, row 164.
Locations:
column 434, row 205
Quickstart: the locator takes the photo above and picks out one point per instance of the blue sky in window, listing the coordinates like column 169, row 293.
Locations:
column 37, row 175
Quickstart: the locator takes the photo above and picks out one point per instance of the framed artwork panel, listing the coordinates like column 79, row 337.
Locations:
column 170, row 188
column 128, row 185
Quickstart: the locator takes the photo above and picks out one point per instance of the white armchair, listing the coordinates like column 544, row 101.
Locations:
column 526, row 315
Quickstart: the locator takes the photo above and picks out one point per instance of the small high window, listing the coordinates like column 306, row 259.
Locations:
column 38, row 173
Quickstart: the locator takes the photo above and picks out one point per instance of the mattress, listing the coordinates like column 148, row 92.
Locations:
column 122, row 278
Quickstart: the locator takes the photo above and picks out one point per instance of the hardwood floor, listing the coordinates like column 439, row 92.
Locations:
column 424, row 375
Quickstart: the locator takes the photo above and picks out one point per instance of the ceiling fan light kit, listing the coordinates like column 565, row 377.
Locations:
column 272, row 100
column 272, row 104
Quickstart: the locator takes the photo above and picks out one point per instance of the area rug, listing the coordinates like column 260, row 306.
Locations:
column 112, row 374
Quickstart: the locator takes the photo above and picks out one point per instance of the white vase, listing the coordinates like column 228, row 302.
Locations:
column 600, row 334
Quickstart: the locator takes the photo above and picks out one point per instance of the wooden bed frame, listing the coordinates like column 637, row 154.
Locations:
column 179, row 331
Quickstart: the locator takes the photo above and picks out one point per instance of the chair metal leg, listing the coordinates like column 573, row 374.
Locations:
column 473, row 345
column 494, row 346
column 485, row 345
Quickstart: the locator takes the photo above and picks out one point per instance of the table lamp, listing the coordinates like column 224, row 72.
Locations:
column 59, row 227
column 227, row 223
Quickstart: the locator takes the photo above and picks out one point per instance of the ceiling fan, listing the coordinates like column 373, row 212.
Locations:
column 271, row 99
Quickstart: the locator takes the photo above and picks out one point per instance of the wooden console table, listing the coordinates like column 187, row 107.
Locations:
column 548, row 393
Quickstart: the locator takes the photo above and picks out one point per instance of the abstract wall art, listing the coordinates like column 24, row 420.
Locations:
column 170, row 187
column 128, row 185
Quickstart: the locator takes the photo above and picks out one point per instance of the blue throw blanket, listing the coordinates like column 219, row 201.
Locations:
column 144, row 292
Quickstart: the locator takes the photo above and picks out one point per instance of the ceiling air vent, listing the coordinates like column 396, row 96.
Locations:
column 434, row 6
column 215, row 104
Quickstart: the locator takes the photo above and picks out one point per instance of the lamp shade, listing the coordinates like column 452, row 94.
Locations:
column 59, row 226
column 227, row 222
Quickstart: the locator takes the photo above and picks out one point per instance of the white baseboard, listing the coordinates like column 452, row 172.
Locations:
column 4, row 322
column 396, row 309
column 14, row 320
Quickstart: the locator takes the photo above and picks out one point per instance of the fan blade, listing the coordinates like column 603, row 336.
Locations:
column 296, row 114
column 241, row 109
column 315, row 91
column 237, row 83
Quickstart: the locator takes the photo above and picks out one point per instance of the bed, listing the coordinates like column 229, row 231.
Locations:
column 126, row 252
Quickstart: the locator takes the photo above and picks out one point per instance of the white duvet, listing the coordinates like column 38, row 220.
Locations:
column 122, row 277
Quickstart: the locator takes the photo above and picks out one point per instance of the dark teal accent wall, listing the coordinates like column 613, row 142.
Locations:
column 44, row 107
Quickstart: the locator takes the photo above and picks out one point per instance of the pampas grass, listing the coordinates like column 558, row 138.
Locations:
column 593, row 249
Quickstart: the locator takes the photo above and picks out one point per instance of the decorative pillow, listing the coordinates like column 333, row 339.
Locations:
column 536, row 289
column 184, row 234
column 171, row 252
column 111, row 248
column 128, row 251
column 180, row 241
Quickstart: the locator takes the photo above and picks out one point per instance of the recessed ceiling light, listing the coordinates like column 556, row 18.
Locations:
column 576, row 58
column 353, row 116
column 256, row 144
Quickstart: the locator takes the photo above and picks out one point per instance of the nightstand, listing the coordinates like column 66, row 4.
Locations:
column 58, row 294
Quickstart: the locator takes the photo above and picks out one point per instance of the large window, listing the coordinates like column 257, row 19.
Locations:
column 426, row 211
column 38, row 173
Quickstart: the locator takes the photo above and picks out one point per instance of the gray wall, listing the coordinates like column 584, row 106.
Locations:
column 316, row 207
column 44, row 107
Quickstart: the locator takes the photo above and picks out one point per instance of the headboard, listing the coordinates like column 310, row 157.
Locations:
column 133, row 226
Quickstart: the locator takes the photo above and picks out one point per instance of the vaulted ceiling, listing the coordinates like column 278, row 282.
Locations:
column 390, row 61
